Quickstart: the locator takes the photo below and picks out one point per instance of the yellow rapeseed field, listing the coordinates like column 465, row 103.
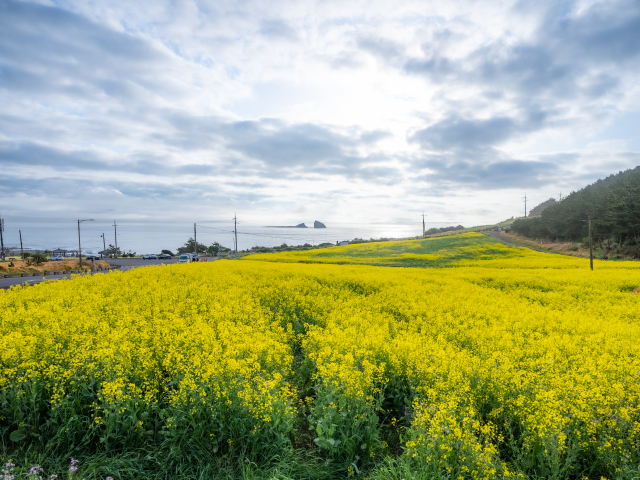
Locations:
column 506, row 365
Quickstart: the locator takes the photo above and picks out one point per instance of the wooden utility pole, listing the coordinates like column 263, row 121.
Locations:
column 21, row 249
column 195, row 240
column 525, row 204
column 590, row 245
column 423, row 230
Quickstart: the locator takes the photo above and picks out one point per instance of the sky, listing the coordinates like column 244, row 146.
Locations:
column 293, row 111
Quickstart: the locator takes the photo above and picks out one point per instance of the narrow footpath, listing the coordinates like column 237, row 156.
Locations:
column 503, row 238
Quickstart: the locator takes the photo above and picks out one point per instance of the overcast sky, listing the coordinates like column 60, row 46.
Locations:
column 295, row 111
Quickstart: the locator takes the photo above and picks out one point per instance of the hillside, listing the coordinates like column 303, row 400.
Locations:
column 612, row 203
column 461, row 250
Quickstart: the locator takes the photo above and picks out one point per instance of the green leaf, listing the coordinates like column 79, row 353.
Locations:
column 17, row 435
column 319, row 430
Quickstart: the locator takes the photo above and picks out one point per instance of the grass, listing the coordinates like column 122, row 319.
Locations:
column 64, row 265
column 434, row 252
column 578, row 249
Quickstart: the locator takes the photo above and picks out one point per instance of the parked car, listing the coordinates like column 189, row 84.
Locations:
column 185, row 258
column 196, row 257
column 92, row 257
column 149, row 256
column 165, row 256
column 57, row 258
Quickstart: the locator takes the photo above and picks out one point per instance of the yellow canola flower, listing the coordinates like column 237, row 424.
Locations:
column 493, row 356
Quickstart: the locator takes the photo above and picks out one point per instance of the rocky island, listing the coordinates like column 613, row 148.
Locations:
column 300, row 225
column 318, row 224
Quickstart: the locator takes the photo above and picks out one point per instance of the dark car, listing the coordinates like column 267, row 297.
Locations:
column 196, row 257
column 165, row 256
column 92, row 257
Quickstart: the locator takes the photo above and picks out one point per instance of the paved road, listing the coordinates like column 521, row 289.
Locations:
column 122, row 264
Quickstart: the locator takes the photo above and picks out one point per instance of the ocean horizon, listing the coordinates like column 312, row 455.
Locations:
column 143, row 238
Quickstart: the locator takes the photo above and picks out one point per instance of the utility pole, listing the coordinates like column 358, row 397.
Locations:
column 423, row 230
column 195, row 240
column 560, row 196
column 235, row 230
column 525, row 205
column 104, row 244
column 115, row 228
column 21, row 249
column 2, row 238
column 590, row 246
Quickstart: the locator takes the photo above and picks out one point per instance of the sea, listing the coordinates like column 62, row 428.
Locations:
column 143, row 238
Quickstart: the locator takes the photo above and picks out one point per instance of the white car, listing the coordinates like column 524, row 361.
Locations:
column 57, row 258
column 149, row 256
column 185, row 258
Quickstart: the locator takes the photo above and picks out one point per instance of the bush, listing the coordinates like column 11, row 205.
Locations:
column 40, row 258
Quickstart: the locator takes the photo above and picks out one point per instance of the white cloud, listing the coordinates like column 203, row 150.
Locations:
column 265, row 107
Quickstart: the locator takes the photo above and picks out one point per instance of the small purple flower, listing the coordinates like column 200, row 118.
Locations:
column 108, row 478
column 35, row 470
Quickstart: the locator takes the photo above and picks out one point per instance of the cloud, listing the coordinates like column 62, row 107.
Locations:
column 180, row 104
column 278, row 29
column 488, row 174
column 48, row 50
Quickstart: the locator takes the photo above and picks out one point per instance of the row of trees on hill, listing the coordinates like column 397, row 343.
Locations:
column 612, row 203
column 534, row 212
column 191, row 245
column 434, row 230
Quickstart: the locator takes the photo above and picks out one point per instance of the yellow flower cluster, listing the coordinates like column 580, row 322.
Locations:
column 164, row 353
column 515, row 363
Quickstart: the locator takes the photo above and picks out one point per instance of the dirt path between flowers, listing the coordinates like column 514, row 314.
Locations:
column 505, row 239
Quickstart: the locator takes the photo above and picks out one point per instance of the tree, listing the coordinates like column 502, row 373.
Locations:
column 612, row 203
column 214, row 248
column 39, row 258
column 167, row 252
column 116, row 252
column 189, row 247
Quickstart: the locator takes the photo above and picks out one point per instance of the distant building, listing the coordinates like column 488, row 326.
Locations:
column 341, row 244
